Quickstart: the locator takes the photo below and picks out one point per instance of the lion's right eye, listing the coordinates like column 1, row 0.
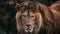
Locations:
column 23, row 17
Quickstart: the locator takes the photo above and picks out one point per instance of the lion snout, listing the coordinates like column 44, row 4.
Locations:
column 28, row 24
column 28, row 27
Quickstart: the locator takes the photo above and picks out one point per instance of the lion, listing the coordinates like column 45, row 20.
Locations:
column 55, row 9
column 34, row 18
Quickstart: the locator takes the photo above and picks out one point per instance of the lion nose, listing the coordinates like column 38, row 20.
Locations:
column 28, row 24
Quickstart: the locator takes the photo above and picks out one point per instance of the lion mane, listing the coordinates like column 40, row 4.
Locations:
column 55, row 9
column 45, row 23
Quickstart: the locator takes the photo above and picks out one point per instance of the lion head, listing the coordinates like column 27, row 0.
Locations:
column 31, row 17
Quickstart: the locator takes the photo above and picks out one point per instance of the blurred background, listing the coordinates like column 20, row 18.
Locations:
column 7, row 15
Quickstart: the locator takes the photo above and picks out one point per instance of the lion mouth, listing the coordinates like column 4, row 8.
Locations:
column 28, row 30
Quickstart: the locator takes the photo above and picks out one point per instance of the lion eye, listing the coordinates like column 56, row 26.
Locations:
column 23, row 16
column 33, row 17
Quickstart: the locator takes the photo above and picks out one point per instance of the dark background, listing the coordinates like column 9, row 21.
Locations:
column 7, row 15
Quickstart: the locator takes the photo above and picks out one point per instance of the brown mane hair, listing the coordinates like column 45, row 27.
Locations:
column 55, row 9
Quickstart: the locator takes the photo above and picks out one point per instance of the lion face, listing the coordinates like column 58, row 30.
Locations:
column 28, row 20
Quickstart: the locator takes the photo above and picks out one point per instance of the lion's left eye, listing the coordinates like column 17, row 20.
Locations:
column 33, row 17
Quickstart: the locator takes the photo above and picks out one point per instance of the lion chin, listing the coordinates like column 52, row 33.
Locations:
column 29, row 30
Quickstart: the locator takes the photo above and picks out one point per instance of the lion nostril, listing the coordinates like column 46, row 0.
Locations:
column 28, row 25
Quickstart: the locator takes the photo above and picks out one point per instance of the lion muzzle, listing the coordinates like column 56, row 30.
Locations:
column 28, row 28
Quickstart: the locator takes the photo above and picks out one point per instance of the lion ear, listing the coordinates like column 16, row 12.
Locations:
column 46, row 13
